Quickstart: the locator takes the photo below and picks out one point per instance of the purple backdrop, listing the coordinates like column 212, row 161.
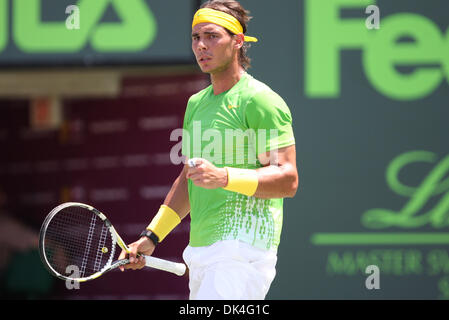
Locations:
column 112, row 154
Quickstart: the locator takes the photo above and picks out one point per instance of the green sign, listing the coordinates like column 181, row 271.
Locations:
column 3, row 24
column 418, row 212
column 136, row 31
column 81, row 31
column 327, row 35
column 410, row 216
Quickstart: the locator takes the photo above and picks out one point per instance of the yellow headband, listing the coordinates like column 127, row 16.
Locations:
column 222, row 19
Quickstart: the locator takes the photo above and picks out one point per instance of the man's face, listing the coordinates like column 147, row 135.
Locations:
column 213, row 46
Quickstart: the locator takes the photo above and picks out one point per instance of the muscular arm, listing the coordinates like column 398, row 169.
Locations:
column 178, row 196
column 279, row 176
column 277, row 179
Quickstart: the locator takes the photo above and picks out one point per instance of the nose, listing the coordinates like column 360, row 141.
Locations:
column 201, row 46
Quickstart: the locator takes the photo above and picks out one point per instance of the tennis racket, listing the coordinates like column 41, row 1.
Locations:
column 76, row 235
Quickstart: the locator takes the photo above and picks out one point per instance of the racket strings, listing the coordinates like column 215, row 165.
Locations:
column 75, row 236
column 100, row 248
column 90, row 235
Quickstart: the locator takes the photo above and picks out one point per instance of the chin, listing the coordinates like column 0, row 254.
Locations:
column 206, row 69
column 213, row 69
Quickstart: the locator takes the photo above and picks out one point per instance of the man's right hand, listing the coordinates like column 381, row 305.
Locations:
column 143, row 246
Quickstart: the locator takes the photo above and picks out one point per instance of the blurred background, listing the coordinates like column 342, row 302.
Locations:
column 86, row 115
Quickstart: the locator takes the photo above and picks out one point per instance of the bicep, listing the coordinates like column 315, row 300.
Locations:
column 278, row 178
column 279, row 157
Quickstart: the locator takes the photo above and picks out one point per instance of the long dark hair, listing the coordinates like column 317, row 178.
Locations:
column 236, row 10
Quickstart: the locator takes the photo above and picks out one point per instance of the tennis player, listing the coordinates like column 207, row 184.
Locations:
column 234, row 192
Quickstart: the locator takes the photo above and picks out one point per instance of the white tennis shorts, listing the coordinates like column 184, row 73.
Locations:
column 230, row 270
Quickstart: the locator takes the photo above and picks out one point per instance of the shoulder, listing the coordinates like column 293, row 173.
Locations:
column 195, row 101
column 254, row 87
column 197, row 97
column 264, row 99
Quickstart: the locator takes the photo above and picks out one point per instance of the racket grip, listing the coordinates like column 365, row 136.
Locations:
column 173, row 267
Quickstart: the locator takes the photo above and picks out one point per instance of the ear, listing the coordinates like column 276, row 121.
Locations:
column 239, row 40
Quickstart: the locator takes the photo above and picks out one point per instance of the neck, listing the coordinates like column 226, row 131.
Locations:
column 224, row 80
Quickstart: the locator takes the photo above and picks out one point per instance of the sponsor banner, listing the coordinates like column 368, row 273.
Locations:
column 86, row 33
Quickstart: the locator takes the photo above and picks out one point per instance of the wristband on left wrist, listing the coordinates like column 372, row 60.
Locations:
column 164, row 222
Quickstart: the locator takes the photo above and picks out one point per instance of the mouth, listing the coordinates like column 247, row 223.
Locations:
column 204, row 59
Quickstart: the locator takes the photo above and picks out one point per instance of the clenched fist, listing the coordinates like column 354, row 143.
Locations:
column 205, row 175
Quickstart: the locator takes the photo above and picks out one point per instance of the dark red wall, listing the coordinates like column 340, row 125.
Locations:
column 112, row 154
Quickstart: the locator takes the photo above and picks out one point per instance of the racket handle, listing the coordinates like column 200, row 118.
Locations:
column 173, row 267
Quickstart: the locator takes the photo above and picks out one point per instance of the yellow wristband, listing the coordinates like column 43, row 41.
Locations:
column 164, row 222
column 243, row 181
